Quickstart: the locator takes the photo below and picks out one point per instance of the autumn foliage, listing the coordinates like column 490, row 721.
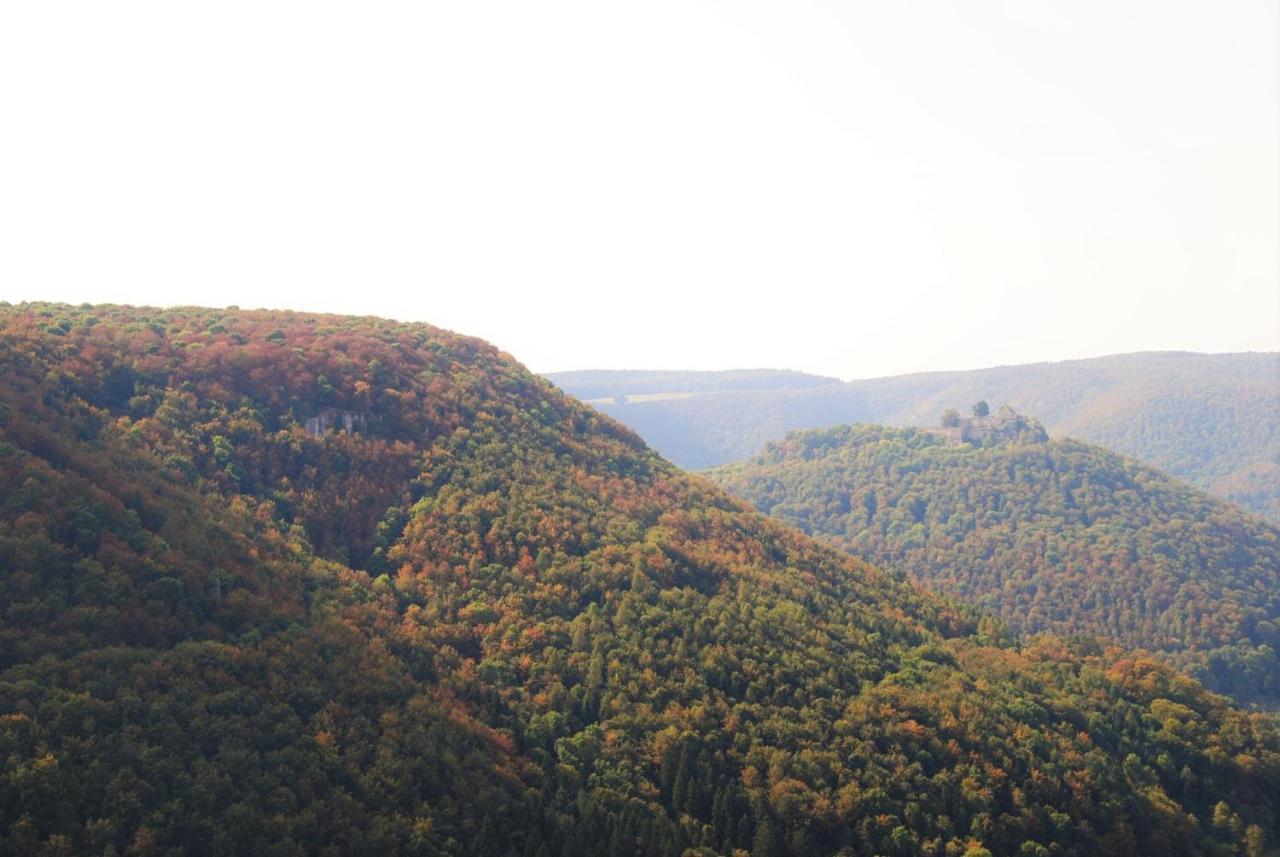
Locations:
column 490, row 621
column 1054, row 536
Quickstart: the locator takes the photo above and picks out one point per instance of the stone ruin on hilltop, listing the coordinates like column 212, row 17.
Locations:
column 986, row 429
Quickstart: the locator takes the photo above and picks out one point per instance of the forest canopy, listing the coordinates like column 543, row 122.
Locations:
column 1057, row 536
column 484, row 619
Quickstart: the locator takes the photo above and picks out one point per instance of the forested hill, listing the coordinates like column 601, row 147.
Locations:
column 1060, row 536
column 274, row 583
column 1212, row 419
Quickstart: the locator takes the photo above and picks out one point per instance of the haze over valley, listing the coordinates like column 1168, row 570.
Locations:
column 1211, row 419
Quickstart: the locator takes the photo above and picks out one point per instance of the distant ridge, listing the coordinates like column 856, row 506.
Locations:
column 607, row 383
column 1212, row 419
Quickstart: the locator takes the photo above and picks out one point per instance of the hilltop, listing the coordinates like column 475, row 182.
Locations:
column 478, row 617
column 1212, row 419
column 984, row 428
column 1057, row 536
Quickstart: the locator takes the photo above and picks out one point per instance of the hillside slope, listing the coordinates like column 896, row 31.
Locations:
column 1212, row 419
column 275, row 583
column 1059, row 536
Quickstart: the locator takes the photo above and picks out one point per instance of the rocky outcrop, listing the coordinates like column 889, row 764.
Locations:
column 332, row 419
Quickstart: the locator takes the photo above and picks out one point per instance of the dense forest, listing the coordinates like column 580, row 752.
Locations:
column 1060, row 536
column 275, row 583
column 1212, row 419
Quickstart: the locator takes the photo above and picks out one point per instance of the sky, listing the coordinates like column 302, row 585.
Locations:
column 849, row 188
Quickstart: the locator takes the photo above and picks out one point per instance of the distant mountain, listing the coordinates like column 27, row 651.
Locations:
column 1054, row 536
column 608, row 384
column 1212, row 419
column 279, row 583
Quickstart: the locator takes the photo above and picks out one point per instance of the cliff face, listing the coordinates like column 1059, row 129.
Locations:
column 332, row 419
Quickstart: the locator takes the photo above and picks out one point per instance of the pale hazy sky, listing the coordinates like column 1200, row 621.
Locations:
column 854, row 188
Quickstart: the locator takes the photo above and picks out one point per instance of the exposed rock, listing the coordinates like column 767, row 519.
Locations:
column 330, row 419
